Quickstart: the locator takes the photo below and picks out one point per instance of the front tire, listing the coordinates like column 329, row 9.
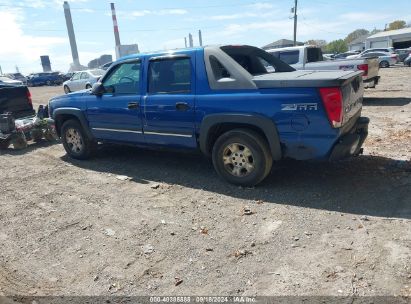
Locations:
column 242, row 157
column 88, row 87
column 75, row 141
column 66, row 89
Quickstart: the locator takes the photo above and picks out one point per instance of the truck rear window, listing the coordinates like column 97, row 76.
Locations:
column 290, row 57
column 255, row 60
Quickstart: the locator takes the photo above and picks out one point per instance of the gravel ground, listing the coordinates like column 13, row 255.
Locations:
column 173, row 228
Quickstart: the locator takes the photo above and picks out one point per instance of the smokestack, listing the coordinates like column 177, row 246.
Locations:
column 116, row 33
column 185, row 41
column 72, row 36
column 200, row 38
column 190, row 40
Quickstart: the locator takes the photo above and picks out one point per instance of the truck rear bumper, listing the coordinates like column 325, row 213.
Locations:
column 350, row 143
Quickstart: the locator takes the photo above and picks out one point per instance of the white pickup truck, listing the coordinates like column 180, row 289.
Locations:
column 310, row 57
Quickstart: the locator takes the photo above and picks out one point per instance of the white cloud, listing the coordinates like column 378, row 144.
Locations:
column 261, row 6
column 41, row 3
column 365, row 17
column 22, row 49
column 233, row 16
column 142, row 13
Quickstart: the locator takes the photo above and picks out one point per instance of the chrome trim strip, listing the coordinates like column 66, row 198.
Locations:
column 168, row 134
column 117, row 130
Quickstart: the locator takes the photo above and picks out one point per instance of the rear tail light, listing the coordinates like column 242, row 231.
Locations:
column 333, row 104
column 364, row 68
column 29, row 97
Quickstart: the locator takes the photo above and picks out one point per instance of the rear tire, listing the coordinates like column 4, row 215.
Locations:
column 75, row 141
column 242, row 157
column 384, row 64
column 48, row 83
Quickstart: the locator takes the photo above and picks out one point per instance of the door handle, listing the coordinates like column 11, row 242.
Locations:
column 133, row 105
column 182, row 106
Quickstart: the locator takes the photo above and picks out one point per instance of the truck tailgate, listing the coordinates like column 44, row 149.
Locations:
column 15, row 99
column 352, row 94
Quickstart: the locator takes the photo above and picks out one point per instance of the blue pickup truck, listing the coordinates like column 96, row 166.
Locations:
column 239, row 105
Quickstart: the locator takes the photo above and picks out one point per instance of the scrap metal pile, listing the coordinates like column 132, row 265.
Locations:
column 18, row 132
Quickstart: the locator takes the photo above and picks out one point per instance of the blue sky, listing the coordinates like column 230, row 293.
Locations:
column 30, row 28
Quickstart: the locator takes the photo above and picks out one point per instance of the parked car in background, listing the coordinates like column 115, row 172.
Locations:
column 403, row 53
column 8, row 81
column 328, row 56
column 345, row 55
column 384, row 50
column 385, row 59
column 82, row 80
column 17, row 76
column 310, row 57
column 44, row 78
column 68, row 76
column 16, row 100
column 407, row 61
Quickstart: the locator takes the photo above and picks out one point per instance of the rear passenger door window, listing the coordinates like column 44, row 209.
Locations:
column 219, row 71
column 169, row 76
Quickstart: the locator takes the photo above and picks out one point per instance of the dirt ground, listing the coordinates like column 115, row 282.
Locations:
column 73, row 228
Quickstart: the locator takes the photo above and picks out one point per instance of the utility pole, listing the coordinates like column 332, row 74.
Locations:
column 295, row 23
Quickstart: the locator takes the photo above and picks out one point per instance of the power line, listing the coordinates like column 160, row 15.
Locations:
column 318, row 28
column 128, row 31
column 139, row 8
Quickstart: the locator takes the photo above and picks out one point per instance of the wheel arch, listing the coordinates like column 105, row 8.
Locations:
column 214, row 125
column 63, row 114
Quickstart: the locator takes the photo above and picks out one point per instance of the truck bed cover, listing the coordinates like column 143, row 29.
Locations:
column 304, row 78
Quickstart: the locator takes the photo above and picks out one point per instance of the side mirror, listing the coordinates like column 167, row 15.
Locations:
column 98, row 89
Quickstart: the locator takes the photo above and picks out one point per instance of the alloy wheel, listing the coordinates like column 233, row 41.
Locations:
column 238, row 160
column 74, row 140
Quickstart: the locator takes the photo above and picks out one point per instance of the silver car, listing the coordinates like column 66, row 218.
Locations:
column 82, row 80
column 8, row 81
column 385, row 59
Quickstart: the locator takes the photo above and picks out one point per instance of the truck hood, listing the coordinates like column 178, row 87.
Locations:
column 304, row 78
column 73, row 94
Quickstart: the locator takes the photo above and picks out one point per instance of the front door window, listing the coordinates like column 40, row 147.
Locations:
column 124, row 79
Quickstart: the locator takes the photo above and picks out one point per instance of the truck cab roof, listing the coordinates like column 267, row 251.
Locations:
column 161, row 53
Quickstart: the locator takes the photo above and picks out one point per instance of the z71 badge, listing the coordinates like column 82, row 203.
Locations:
column 299, row 107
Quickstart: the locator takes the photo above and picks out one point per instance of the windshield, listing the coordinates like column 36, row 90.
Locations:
column 256, row 61
column 97, row 72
